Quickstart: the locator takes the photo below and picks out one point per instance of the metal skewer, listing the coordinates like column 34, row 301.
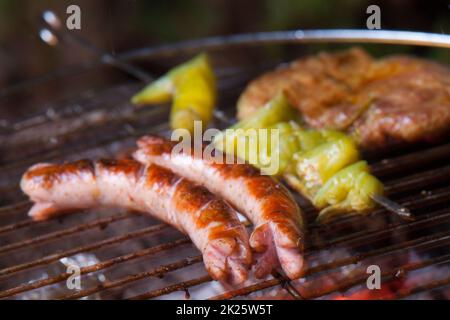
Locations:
column 55, row 32
column 287, row 285
column 392, row 206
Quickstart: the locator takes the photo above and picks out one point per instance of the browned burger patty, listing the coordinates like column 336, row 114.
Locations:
column 398, row 98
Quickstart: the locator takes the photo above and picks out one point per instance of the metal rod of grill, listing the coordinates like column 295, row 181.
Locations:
column 417, row 243
column 102, row 222
column 182, row 286
column 344, row 286
column 360, row 236
column 247, row 290
column 422, row 288
column 134, row 277
column 15, row 207
column 94, row 268
column 437, row 196
column 85, row 248
column 357, row 238
column 294, row 36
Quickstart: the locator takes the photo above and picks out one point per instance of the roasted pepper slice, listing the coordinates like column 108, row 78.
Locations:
column 313, row 168
column 193, row 100
column 288, row 144
column 265, row 140
column 349, row 190
column 276, row 110
column 274, row 149
column 192, row 86
column 269, row 149
column 310, row 139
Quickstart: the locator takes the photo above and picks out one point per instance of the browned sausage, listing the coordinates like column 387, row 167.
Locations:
column 278, row 236
column 211, row 223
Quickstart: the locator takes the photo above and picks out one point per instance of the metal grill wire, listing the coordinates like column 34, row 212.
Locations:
column 133, row 256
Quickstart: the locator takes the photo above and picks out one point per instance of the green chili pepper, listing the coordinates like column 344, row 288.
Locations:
column 311, row 169
column 322, row 164
column 310, row 139
column 349, row 190
column 269, row 149
column 265, row 140
column 192, row 86
column 276, row 110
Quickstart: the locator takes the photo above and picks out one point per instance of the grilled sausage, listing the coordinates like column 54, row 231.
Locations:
column 278, row 236
column 212, row 224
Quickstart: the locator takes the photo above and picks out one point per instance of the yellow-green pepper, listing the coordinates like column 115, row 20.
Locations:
column 192, row 86
column 321, row 164
column 269, row 149
column 265, row 140
column 310, row 139
column 349, row 190
column 311, row 169
column 276, row 110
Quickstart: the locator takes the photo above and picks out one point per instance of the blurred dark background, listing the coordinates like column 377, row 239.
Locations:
column 120, row 25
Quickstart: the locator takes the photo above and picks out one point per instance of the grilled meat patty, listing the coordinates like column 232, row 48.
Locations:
column 278, row 236
column 395, row 99
column 211, row 223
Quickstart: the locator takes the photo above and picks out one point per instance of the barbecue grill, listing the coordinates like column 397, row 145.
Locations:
column 127, row 255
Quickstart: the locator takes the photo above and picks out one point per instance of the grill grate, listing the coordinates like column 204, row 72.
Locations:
column 140, row 258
